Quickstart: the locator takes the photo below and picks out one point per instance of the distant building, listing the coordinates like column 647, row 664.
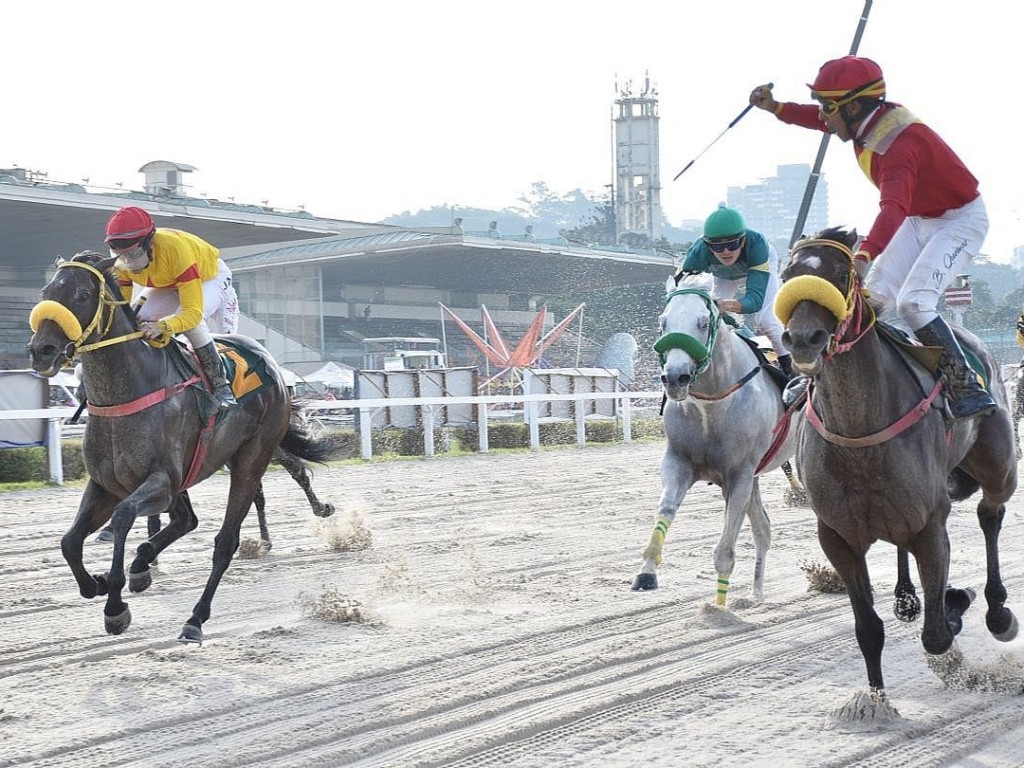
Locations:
column 637, row 163
column 1017, row 260
column 772, row 206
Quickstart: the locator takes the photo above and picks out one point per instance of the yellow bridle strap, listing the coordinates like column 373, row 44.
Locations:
column 61, row 315
column 810, row 288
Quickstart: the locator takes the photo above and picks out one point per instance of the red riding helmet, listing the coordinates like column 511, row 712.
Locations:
column 848, row 78
column 129, row 223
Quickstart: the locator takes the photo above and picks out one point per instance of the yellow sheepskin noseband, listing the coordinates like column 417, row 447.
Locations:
column 810, row 288
column 61, row 315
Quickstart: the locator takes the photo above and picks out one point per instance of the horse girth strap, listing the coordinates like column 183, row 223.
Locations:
column 144, row 402
column 899, row 426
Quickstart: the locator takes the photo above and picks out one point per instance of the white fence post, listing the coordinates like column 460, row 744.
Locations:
column 481, row 428
column 428, row 430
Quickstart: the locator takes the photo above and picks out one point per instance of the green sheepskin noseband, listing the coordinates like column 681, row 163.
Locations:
column 696, row 349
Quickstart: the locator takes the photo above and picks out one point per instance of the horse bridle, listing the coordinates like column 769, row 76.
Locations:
column 700, row 351
column 849, row 309
column 106, row 304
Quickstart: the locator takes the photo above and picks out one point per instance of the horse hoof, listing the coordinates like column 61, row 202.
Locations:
column 325, row 510
column 191, row 634
column 139, row 582
column 115, row 625
column 957, row 603
column 645, row 582
column 1002, row 624
column 105, row 536
column 907, row 607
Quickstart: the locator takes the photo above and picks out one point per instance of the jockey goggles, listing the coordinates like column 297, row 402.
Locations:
column 130, row 255
column 830, row 107
column 720, row 246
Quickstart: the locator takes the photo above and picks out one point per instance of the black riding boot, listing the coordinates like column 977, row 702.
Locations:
column 786, row 364
column 967, row 397
column 214, row 369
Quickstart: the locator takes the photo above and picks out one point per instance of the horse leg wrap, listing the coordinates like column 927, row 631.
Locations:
column 657, row 542
column 722, row 591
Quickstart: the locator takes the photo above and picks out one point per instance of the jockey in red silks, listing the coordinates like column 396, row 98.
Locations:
column 185, row 284
column 931, row 220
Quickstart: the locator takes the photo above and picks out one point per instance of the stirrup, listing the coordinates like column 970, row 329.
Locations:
column 225, row 397
column 794, row 390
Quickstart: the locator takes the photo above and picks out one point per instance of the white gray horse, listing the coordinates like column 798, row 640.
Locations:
column 720, row 416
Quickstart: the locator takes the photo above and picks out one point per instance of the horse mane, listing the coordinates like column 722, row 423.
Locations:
column 699, row 280
column 840, row 234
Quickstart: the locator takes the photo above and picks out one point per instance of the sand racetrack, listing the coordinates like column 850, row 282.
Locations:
column 494, row 627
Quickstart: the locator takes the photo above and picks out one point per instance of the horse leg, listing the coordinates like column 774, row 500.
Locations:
column 261, row 515
column 153, row 494
column 240, row 498
column 106, row 534
column 999, row 619
column 738, row 497
column 906, row 604
column 797, row 494
column 761, row 530
column 94, row 510
column 183, row 519
column 1018, row 410
column 676, row 480
column 870, row 630
column 942, row 615
column 301, row 475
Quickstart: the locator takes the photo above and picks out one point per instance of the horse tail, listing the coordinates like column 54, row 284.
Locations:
column 305, row 442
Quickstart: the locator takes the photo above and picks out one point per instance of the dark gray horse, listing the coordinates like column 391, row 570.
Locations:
column 720, row 412
column 149, row 436
column 880, row 462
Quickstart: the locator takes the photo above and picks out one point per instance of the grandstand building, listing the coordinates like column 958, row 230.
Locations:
column 309, row 288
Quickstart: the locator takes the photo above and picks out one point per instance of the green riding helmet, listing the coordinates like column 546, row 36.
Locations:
column 724, row 223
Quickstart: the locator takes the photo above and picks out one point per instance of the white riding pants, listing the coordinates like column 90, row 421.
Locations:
column 922, row 259
column 764, row 321
column 220, row 306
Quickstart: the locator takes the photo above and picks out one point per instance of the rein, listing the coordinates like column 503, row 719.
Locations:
column 102, row 320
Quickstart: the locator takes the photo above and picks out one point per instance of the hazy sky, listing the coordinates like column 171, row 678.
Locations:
column 365, row 109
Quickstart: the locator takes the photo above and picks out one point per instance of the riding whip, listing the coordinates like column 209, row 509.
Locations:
column 730, row 125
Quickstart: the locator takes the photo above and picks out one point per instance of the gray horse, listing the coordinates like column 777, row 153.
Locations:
column 720, row 412
column 880, row 463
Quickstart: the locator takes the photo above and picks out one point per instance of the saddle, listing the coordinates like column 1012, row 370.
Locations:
column 777, row 374
column 927, row 360
column 245, row 371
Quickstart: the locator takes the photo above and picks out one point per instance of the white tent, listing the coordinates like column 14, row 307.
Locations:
column 290, row 377
column 333, row 375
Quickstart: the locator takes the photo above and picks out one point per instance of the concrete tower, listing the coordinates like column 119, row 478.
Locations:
column 637, row 162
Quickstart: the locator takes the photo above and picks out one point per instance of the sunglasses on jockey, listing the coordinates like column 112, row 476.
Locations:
column 720, row 246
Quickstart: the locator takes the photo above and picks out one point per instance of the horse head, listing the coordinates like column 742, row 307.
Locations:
column 820, row 302
column 689, row 327
column 79, row 306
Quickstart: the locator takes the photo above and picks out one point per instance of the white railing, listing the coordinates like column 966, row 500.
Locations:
column 367, row 409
